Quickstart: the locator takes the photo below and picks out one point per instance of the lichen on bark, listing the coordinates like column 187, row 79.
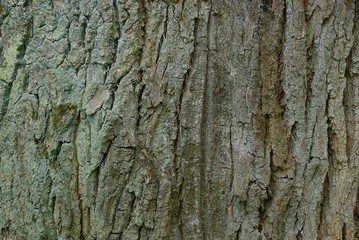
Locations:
column 179, row 119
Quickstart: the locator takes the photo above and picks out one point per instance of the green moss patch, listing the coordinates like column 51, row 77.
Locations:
column 63, row 115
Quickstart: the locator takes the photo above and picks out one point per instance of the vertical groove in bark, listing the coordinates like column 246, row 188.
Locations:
column 206, row 124
column 277, row 147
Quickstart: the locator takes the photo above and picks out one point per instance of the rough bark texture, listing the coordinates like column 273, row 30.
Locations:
column 179, row 119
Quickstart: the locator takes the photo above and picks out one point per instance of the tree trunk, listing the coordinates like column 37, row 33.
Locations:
column 179, row 119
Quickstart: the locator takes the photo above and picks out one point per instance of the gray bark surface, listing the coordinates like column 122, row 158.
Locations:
column 179, row 119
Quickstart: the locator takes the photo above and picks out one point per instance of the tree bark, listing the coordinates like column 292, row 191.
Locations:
column 179, row 119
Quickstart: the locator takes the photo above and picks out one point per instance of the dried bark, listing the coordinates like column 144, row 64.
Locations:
column 179, row 119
